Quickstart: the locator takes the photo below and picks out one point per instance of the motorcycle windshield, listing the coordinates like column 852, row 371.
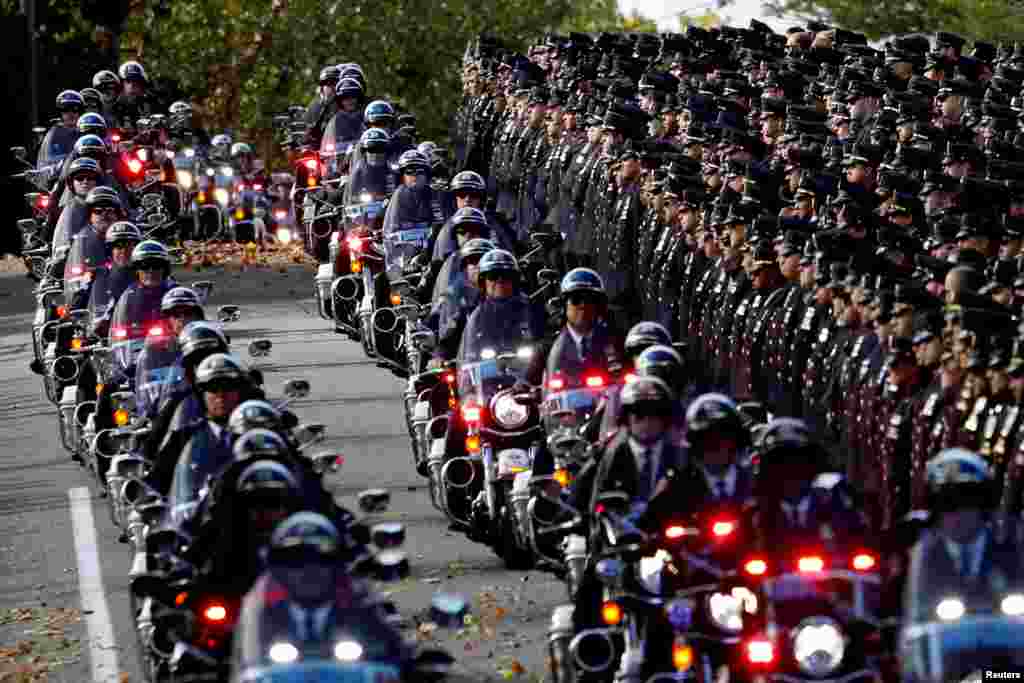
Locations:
column 320, row 670
column 969, row 643
column 316, row 635
column 136, row 316
column 189, row 485
column 483, row 378
column 99, row 295
column 87, row 253
column 367, row 213
column 336, row 149
column 73, row 218
column 501, row 327
column 570, row 400
column 157, row 367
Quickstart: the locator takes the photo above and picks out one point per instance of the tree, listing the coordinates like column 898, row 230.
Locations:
column 637, row 23
column 980, row 19
column 706, row 19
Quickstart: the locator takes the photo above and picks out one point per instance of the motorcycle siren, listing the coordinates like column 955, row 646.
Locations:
column 379, row 112
column 180, row 297
column 91, row 145
column 255, row 414
column 132, row 71
column 123, row 231
column 645, row 334
column 257, row 443
column 583, row 281
column 959, row 478
column 106, row 79
column 468, row 182
column 349, row 87
column 413, row 162
column 220, row 367
column 709, row 414
column 70, row 100
column 199, row 339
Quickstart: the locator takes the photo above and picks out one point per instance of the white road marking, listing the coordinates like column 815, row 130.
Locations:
column 102, row 650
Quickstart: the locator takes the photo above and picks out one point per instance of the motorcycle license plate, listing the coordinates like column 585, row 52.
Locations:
column 412, row 236
column 512, row 461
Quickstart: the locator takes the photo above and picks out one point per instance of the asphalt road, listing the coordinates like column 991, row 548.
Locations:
column 62, row 570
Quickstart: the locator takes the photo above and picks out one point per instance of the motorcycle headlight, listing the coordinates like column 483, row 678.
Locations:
column 189, row 152
column 818, row 646
column 366, row 198
column 185, row 179
column 524, row 352
column 508, row 413
column 227, row 171
column 726, row 611
column 221, row 196
column 210, row 172
column 283, row 653
column 1013, row 605
column 348, row 650
column 284, row 235
column 950, row 609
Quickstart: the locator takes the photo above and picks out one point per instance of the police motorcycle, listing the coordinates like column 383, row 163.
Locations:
column 215, row 186
column 810, row 610
column 633, row 619
column 370, row 184
column 286, row 228
column 962, row 613
column 187, row 163
column 189, row 627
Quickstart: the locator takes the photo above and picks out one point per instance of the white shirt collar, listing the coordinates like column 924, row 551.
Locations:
column 975, row 549
column 728, row 479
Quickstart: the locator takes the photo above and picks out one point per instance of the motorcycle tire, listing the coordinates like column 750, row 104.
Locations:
column 515, row 557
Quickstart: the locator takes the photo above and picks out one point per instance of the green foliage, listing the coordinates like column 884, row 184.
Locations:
column 705, row 20
column 637, row 23
column 982, row 19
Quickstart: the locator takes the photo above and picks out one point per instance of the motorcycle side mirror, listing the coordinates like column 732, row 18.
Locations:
column 387, row 535
column 260, row 348
column 449, row 610
column 432, row 665
column 296, row 389
column 372, row 501
column 613, row 499
column 548, row 275
column 311, row 433
column 326, row 462
column 390, row 565
column 19, row 153
column 229, row 313
column 203, row 288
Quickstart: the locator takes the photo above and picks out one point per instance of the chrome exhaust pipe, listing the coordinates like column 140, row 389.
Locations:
column 458, row 473
column 560, row 633
column 106, row 444
column 83, row 411
column 346, row 288
column 385, row 321
column 593, row 650
column 64, row 369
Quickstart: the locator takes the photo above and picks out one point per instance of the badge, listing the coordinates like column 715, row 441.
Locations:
column 929, row 405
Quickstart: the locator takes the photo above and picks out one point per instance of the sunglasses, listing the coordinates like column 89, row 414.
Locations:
column 220, row 387
column 85, row 179
column 150, row 267
column 124, row 245
column 181, row 313
column 579, row 299
column 106, row 210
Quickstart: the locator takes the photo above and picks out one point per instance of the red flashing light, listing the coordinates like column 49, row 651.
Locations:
column 258, row 188
column 135, row 166
column 760, row 651
column 310, row 164
column 215, row 613
column 863, row 562
column 115, row 138
column 674, row 532
column 62, row 311
column 77, row 270
column 723, row 528
column 280, row 214
column 811, row 565
column 120, row 333
column 43, row 201
column 755, row 567
column 595, row 381
column 449, row 378
column 471, row 412
column 156, row 331
column 556, row 384
column 630, row 378
column 355, row 243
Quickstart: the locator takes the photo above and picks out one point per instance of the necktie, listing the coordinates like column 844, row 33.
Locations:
column 720, row 489
column 646, row 470
column 584, row 348
column 310, row 624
